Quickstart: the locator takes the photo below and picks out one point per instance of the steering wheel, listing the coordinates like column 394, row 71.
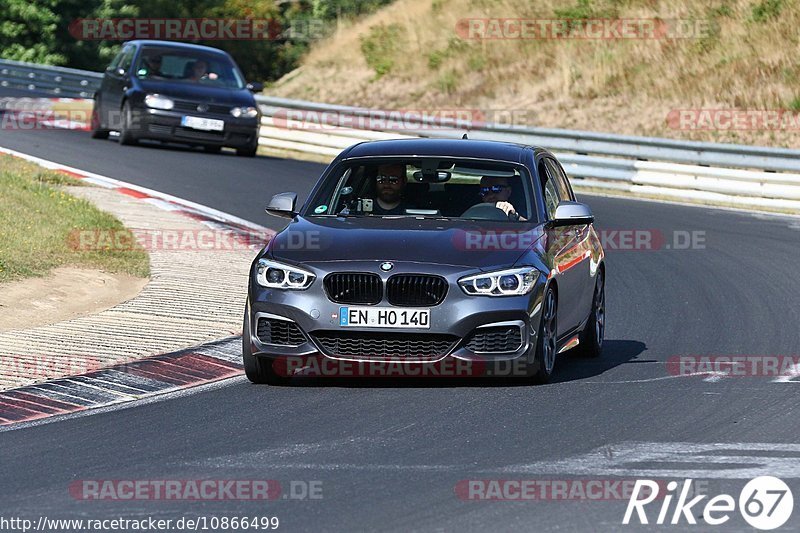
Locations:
column 488, row 211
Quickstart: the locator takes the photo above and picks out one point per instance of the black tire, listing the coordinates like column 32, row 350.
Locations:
column 248, row 151
column 98, row 132
column 258, row 370
column 546, row 340
column 592, row 336
column 126, row 135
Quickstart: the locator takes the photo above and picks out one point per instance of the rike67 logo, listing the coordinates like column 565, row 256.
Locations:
column 765, row 503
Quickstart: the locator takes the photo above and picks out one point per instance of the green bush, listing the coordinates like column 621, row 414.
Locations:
column 448, row 82
column 380, row 47
column 766, row 10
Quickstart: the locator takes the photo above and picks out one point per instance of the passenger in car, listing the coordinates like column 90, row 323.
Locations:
column 390, row 184
column 497, row 190
column 197, row 70
column 153, row 64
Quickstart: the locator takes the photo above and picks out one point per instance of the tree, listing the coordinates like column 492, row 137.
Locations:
column 28, row 31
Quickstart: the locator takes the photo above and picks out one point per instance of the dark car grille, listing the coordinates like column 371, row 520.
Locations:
column 495, row 339
column 159, row 129
column 415, row 289
column 191, row 107
column 377, row 346
column 279, row 332
column 354, row 288
column 198, row 135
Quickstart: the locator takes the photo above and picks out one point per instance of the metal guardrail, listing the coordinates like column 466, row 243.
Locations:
column 323, row 134
column 584, row 142
column 720, row 173
column 56, row 81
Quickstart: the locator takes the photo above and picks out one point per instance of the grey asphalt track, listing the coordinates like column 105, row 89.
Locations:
column 390, row 454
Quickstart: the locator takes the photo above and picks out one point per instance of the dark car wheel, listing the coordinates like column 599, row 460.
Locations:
column 257, row 369
column 547, row 340
column 98, row 132
column 126, row 135
column 248, row 151
column 591, row 344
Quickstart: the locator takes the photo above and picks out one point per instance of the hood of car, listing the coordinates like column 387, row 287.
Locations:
column 484, row 245
column 198, row 93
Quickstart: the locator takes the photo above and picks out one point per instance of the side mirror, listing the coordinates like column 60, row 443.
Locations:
column 282, row 205
column 255, row 87
column 572, row 214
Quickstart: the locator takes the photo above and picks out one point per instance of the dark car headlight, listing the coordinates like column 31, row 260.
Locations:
column 274, row 275
column 156, row 101
column 244, row 112
column 509, row 282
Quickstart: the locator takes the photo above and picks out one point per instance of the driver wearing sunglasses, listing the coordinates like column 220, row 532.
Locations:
column 390, row 183
column 497, row 190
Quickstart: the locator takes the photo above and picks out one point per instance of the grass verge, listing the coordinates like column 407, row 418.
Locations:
column 37, row 218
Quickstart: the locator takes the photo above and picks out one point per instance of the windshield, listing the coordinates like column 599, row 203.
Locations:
column 188, row 66
column 431, row 188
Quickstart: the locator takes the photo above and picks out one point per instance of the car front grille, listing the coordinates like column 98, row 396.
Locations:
column 279, row 332
column 354, row 288
column 189, row 133
column 380, row 346
column 495, row 339
column 191, row 107
column 159, row 129
column 416, row 289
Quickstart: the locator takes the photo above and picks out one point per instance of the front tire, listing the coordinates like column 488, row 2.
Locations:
column 98, row 132
column 248, row 151
column 591, row 344
column 126, row 135
column 547, row 340
column 257, row 369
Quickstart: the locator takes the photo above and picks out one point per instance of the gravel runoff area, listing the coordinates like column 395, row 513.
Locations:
column 196, row 294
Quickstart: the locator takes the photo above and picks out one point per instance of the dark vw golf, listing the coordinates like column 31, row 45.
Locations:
column 177, row 92
column 417, row 252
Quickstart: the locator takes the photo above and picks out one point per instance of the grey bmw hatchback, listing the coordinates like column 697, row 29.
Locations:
column 422, row 253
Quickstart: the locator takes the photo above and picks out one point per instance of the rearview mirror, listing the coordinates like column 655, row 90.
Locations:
column 431, row 176
column 255, row 87
column 282, row 205
column 572, row 214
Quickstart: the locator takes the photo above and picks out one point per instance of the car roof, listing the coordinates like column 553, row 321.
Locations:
column 175, row 44
column 466, row 148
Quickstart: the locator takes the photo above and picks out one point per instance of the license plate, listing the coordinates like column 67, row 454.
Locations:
column 200, row 123
column 384, row 317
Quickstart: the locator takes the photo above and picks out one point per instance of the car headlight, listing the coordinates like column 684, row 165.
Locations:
column 274, row 275
column 156, row 101
column 245, row 112
column 511, row 282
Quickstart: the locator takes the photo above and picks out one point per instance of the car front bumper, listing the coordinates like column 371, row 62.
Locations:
column 166, row 126
column 459, row 316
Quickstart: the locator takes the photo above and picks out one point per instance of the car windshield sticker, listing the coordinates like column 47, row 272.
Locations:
column 321, row 209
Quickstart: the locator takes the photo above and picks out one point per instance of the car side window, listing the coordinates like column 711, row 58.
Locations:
column 127, row 58
column 564, row 188
column 549, row 190
column 117, row 60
